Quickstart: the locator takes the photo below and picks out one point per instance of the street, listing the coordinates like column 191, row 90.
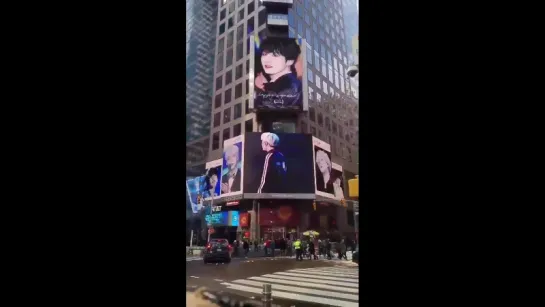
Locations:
column 294, row 283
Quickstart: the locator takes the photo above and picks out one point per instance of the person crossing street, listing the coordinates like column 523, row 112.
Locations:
column 298, row 251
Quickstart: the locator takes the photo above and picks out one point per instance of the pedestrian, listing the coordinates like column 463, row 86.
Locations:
column 297, row 247
column 328, row 249
column 255, row 245
column 342, row 250
column 272, row 247
column 312, row 251
column 266, row 247
column 246, row 247
column 289, row 247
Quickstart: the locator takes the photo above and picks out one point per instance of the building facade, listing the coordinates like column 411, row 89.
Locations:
column 333, row 109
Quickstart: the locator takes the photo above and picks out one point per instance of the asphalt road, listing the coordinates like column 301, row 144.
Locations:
column 294, row 283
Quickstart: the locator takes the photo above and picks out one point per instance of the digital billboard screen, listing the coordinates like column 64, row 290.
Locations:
column 329, row 175
column 194, row 186
column 211, row 181
column 225, row 218
column 278, row 74
column 232, row 166
column 278, row 165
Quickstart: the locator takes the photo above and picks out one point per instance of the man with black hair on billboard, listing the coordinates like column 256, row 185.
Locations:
column 274, row 173
column 277, row 85
column 230, row 181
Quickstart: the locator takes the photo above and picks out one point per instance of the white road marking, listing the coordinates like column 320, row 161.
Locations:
column 294, row 296
column 305, row 284
column 319, row 272
column 312, row 276
column 193, row 276
column 218, row 280
column 301, row 290
column 316, row 281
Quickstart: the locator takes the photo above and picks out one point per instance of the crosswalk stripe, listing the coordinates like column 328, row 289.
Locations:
column 305, row 284
column 294, row 296
column 322, row 273
column 325, row 273
column 301, row 290
column 329, row 282
column 311, row 276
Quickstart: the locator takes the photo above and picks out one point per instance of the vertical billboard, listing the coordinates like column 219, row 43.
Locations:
column 232, row 166
column 211, row 180
column 278, row 74
column 278, row 165
column 193, row 190
column 329, row 176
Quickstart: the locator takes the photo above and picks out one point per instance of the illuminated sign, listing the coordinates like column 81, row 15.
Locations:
column 226, row 218
column 216, row 208
column 277, row 20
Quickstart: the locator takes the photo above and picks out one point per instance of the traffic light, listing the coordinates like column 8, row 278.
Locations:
column 314, row 205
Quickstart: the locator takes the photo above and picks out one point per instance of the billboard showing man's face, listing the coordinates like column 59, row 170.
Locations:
column 329, row 175
column 212, row 185
column 278, row 78
column 231, row 173
column 278, row 165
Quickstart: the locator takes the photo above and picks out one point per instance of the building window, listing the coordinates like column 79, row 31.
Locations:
column 320, row 120
column 219, row 83
column 307, row 19
column 249, row 125
column 238, row 72
column 230, row 39
column 216, row 141
column 318, row 81
column 240, row 32
column 251, row 7
column 237, row 111
column 324, row 87
column 320, row 136
column 309, row 54
column 229, row 58
column 217, row 101
column 222, row 14
column 308, row 35
column 250, row 26
column 312, row 114
column 300, row 28
column 240, row 50
column 327, row 124
column 262, row 17
column 310, row 93
column 227, row 96
column 318, row 97
column 226, row 134
column 232, row 7
column 230, row 23
column 290, row 17
column 310, row 75
column 221, row 42
column 237, row 130
column 334, row 128
column 238, row 90
column 247, row 107
column 313, row 131
column 226, row 115
column 219, row 63
column 222, row 29
column 217, row 118
column 241, row 14
column 228, row 77
column 291, row 33
column 316, row 60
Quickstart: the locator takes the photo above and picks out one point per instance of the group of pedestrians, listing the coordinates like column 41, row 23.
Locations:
column 326, row 248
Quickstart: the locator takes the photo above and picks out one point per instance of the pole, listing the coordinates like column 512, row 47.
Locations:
column 211, row 204
column 257, row 220
column 267, row 295
column 191, row 239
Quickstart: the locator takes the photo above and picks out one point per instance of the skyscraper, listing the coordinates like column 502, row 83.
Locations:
column 201, row 17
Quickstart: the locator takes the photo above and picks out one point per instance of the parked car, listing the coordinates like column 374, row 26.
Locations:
column 218, row 250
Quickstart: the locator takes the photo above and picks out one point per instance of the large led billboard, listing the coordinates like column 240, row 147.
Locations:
column 212, row 184
column 194, row 187
column 278, row 74
column 232, row 175
column 329, row 175
column 278, row 165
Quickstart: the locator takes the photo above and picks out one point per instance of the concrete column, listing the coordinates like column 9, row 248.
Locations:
column 253, row 225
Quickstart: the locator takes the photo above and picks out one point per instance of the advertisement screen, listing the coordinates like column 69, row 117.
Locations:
column 225, row 218
column 211, row 181
column 278, row 165
column 278, row 78
column 193, row 189
column 329, row 175
column 232, row 170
